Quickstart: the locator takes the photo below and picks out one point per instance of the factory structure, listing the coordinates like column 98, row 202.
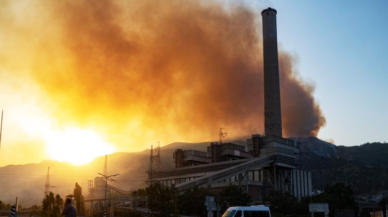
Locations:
column 266, row 161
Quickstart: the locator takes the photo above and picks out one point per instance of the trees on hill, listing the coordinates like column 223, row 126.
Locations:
column 79, row 200
column 284, row 203
column 52, row 205
column 161, row 199
column 4, row 205
column 191, row 202
column 164, row 201
column 338, row 196
column 232, row 195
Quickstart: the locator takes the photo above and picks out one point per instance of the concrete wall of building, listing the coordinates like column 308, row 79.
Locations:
column 302, row 185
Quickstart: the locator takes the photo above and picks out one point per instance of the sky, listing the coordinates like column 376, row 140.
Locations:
column 342, row 47
column 101, row 79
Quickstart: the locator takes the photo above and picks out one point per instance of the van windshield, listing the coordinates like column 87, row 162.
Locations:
column 229, row 213
column 256, row 213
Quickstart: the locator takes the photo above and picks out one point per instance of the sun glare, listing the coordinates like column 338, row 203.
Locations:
column 77, row 146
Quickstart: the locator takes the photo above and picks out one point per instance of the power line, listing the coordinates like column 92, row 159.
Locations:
column 47, row 185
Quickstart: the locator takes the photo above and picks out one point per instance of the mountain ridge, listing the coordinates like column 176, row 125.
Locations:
column 327, row 162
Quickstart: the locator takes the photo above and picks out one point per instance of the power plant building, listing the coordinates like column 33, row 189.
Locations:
column 266, row 161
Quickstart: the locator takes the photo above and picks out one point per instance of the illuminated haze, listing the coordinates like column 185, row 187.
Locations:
column 138, row 72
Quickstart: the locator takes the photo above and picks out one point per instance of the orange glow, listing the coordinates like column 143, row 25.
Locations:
column 131, row 73
column 77, row 146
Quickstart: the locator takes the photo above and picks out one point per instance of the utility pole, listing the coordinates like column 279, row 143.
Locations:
column 106, row 188
column 155, row 164
column 47, row 185
column 1, row 127
column 106, row 165
column 151, row 168
column 158, row 159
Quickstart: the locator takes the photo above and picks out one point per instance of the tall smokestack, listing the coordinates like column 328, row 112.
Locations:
column 272, row 111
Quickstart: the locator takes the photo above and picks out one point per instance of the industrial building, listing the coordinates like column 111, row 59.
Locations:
column 266, row 161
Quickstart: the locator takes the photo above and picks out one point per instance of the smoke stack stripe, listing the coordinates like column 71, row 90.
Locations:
column 272, row 109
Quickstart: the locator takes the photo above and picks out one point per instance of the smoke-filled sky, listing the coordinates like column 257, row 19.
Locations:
column 104, row 76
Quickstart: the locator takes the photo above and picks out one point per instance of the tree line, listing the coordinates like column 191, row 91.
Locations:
column 52, row 205
column 165, row 201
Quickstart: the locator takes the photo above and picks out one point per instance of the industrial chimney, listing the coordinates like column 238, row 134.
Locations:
column 272, row 111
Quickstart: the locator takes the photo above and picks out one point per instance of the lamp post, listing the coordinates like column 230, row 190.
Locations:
column 106, row 187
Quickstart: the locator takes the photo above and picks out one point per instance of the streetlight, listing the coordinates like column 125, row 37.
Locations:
column 106, row 187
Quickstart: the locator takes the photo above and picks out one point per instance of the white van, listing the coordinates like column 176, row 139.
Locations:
column 247, row 211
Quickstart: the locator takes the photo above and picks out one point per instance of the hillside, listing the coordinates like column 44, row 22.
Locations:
column 27, row 181
column 364, row 167
column 370, row 154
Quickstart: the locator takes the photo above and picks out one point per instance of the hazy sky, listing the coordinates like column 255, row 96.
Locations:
column 65, row 83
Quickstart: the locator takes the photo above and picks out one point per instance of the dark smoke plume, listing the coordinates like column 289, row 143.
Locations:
column 141, row 71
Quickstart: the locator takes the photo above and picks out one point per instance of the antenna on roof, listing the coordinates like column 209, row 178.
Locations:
column 222, row 135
